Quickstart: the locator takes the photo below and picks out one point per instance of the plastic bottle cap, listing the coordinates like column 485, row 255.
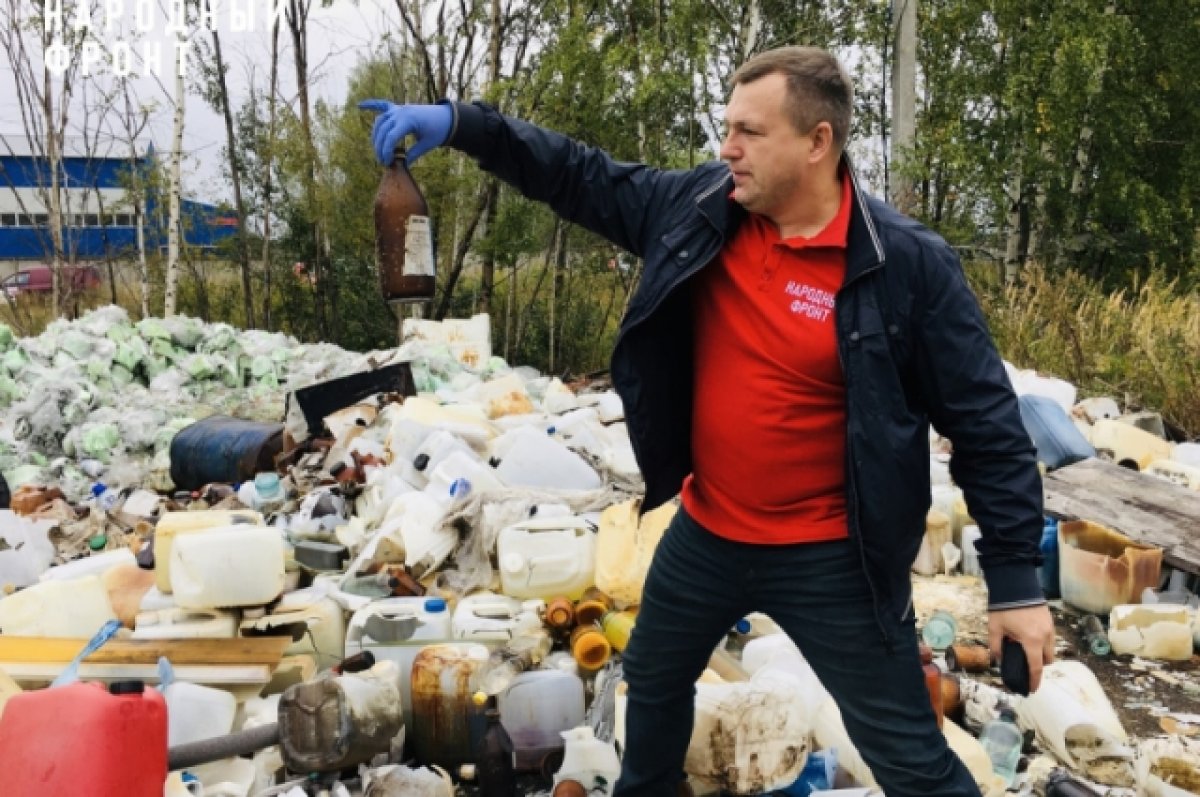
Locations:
column 743, row 626
column 512, row 563
column 435, row 605
column 127, row 688
column 421, row 462
column 459, row 487
column 1008, row 714
column 98, row 489
column 479, row 698
column 97, row 542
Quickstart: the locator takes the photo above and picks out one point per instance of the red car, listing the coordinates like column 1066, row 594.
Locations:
column 37, row 279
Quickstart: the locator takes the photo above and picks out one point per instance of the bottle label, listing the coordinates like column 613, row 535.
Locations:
column 418, row 248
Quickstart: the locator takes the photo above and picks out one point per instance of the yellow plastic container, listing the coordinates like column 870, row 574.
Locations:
column 173, row 523
column 1129, row 446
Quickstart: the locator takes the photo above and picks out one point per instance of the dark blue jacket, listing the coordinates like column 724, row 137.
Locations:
column 913, row 344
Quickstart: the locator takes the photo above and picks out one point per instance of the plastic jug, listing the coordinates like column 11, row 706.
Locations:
column 970, row 536
column 95, row 565
column 74, row 609
column 546, row 557
column 458, row 475
column 494, row 619
column 172, row 524
column 1187, row 453
column 196, row 713
column 444, row 679
column 1002, row 740
column 536, row 708
column 528, row 457
column 589, row 761
column 1128, row 445
column 336, row 722
column 435, row 448
column 230, row 566
column 1058, row 441
column 625, row 545
column 397, row 629
column 84, row 738
column 178, row 623
column 929, row 560
column 1175, row 472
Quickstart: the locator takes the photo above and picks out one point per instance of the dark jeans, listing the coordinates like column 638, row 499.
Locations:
column 700, row 584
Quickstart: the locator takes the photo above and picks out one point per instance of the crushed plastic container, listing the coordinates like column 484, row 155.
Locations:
column 85, row 739
column 1099, row 568
column 75, row 609
column 230, row 566
column 396, row 630
column 1176, row 472
column 535, row 710
column 547, row 557
column 625, row 545
column 1129, row 446
column 316, row 625
column 172, row 524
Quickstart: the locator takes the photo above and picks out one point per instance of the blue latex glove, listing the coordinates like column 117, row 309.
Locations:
column 430, row 124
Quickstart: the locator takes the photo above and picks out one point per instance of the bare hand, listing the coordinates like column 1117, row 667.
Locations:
column 1033, row 627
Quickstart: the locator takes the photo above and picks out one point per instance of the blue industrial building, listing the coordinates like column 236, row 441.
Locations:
column 99, row 220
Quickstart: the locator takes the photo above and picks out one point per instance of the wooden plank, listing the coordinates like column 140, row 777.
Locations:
column 238, row 651
column 1142, row 507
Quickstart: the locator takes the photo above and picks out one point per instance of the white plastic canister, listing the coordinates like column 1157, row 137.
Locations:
column 589, row 761
column 494, row 619
column 528, row 457
column 546, row 557
column 396, row 629
column 172, row 524
column 230, row 566
column 75, row 608
column 536, row 708
column 180, row 623
column 196, row 713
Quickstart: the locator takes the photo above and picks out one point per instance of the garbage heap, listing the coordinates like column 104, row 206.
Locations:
column 304, row 571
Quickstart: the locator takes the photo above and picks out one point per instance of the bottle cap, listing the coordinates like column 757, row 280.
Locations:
column 97, row 542
column 743, row 626
column 127, row 688
column 479, row 698
column 421, row 462
column 1007, row 713
column 98, row 489
column 435, row 605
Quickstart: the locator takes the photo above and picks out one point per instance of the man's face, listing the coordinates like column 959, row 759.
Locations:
column 769, row 158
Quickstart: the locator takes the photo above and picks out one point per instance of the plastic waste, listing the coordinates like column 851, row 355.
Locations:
column 588, row 760
column 230, row 566
column 495, row 619
column 28, row 551
column 1094, row 635
column 76, row 608
column 536, row 708
column 1100, row 568
column 444, row 679
column 494, row 757
column 546, row 557
column 1048, row 572
column 939, row 630
column 195, row 712
column 1002, row 740
column 179, row 623
column 122, row 728
column 1058, row 441
column 528, row 457
column 504, row 664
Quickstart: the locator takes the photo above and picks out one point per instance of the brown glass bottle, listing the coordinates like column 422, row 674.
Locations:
column 403, row 239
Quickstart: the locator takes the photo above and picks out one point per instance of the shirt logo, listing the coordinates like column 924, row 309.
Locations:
column 808, row 301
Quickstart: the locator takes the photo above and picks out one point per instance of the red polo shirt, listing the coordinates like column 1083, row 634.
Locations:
column 769, row 413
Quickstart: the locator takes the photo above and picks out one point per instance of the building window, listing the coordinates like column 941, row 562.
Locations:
column 41, row 219
column 91, row 220
column 22, row 220
column 8, row 219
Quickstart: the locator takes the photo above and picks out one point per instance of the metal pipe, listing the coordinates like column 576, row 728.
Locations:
column 221, row 747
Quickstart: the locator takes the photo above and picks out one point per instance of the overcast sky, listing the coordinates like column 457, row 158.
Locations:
column 339, row 37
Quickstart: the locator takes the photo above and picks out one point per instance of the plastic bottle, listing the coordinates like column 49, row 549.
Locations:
column 1094, row 635
column 375, row 585
column 504, row 664
column 939, row 630
column 559, row 615
column 592, row 606
column 268, row 489
column 403, row 241
column 618, row 627
column 494, row 757
column 105, row 497
column 1002, row 741
column 590, row 647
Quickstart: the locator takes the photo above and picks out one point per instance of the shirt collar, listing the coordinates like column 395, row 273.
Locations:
column 836, row 232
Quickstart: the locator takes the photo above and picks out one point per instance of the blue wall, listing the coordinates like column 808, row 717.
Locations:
column 204, row 225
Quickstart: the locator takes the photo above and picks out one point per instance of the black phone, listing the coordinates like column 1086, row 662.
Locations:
column 1014, row 667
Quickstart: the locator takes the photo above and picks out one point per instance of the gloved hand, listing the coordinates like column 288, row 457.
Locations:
column 429, row 123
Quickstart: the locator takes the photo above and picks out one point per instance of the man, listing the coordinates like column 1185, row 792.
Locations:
column 785, row 352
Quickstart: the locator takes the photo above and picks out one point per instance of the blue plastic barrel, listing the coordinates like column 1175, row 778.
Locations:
column 223, row 449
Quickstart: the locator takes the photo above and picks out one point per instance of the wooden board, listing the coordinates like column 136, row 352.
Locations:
column 254, row 650
column 1144, row 508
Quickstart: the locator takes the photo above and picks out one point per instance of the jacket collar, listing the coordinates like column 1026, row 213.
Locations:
column 864, row 251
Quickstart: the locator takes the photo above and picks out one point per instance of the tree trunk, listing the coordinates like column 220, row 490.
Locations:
column 1012, row 248
column 904, row 104
column 235, row 176
column 175, row 200
column 267, row 204
column 53, row 163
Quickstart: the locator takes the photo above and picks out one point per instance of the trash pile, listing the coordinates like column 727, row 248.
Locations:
column 242, row 566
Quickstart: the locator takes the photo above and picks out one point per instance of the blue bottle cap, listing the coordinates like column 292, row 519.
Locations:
column 459, row 487
column 98, row 489
column 435, row 605
column 743, row 626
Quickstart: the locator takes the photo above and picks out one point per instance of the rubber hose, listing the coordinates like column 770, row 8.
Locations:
column 221, row 747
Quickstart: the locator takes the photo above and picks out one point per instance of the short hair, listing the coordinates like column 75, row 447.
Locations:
column 818, row 89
